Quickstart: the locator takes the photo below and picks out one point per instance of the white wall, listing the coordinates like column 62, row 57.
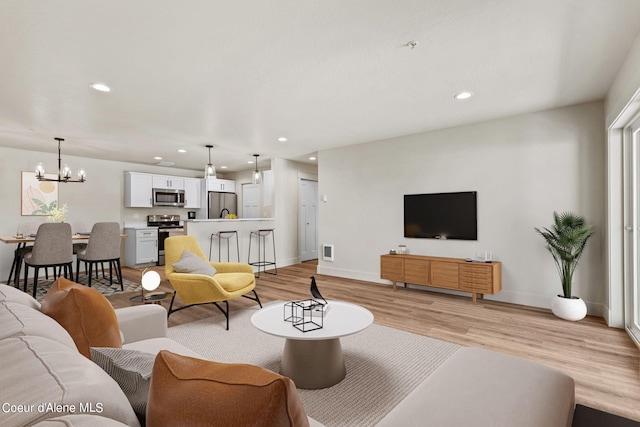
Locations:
column 523, row 169
column 100, row 198
column 621, row 105
column 625, row 86
column 287, row 175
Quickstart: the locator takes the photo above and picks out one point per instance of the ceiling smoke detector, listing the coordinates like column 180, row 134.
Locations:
column 412, row 44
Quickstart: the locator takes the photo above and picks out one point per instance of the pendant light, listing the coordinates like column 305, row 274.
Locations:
column 64, row 174
column 256, row 173
column 210, row 170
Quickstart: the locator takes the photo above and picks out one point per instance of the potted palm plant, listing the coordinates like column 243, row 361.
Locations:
column 566, row 240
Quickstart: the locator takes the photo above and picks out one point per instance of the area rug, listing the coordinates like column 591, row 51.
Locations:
column 101, row 284
column 383, row 364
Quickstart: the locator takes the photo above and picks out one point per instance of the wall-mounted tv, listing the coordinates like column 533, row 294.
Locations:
column 441, row 216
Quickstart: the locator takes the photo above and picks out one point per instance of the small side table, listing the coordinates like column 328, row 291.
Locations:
column 154, row 298
column 314, row 359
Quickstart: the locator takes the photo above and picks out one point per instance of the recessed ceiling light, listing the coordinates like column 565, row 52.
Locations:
column 182, row 150
column 312, row 158
column 250, row 162
column 100, row 87
column 282, row 139
column 223, row 167
column 463, row 95
column 158, row 158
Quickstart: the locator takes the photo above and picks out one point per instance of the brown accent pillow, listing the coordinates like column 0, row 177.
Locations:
column 185, row 391
column 85, row 313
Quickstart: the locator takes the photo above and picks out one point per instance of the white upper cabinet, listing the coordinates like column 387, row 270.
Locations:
column 222, row 185
column 167, row 181
column 137, row 190
column 192, row 193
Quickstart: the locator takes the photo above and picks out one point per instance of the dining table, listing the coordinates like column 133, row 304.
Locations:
column 22, row 241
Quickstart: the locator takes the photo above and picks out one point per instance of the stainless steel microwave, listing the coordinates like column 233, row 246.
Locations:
column 168, row 197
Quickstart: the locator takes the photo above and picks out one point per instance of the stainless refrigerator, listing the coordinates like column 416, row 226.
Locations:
column 218, row 202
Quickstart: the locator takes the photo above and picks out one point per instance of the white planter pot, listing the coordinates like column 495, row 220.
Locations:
column 569, row 308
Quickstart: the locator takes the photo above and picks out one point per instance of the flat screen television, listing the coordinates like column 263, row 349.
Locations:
column 441, row 216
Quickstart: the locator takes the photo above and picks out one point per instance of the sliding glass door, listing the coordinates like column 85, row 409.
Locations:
column 632, row 229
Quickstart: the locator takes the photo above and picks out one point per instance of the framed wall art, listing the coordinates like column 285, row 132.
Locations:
column 38, row 197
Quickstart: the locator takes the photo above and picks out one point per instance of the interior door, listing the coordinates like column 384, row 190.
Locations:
column 251, row 200
column 308, row 229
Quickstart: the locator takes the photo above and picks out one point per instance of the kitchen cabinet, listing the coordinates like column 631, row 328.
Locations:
column 192, row 193
column 167, row 181
column 138, row 190
column 221, row 185
column 446, row 273
column 141, row 247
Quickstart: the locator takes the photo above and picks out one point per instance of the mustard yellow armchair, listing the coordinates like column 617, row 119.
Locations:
column 231, row 280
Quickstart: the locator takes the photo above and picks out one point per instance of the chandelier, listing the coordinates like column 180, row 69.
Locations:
column 64, row 173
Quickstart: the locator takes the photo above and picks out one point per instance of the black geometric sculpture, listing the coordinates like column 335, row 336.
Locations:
column 314, row 290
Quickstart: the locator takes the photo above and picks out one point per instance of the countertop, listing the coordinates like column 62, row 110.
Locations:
column 228, row 219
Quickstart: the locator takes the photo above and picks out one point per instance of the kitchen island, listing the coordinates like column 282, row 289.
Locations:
column 202, row 229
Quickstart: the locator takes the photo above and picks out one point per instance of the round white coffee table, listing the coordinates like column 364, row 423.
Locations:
column 314, row 359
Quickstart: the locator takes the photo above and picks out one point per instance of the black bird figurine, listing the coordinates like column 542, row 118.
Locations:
column 314, row 290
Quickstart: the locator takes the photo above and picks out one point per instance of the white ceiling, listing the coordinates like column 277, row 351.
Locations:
column 323, row 73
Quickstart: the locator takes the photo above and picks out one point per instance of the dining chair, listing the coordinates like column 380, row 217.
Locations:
column 78, row 227
column 103, row 246
column 25, row 229
column 52, row 248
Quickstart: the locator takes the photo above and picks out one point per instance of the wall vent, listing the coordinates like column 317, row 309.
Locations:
column 327, row 252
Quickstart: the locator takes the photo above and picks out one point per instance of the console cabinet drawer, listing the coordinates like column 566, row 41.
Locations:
column 444, row 274
column 476, row 278
column 416, row 271
column 392, row 268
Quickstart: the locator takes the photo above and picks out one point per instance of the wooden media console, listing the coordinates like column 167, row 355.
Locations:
column 456, row 274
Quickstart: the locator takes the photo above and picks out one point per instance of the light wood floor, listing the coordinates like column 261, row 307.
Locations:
column 603, row 361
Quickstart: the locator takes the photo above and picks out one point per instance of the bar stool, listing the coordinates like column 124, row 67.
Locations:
column 224, row 235
column 261, row 236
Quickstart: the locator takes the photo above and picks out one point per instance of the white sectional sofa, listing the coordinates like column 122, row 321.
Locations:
column 476, row 387
column 45, row 377
column 42, row 366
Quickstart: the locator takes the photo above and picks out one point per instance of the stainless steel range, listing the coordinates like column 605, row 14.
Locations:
column 168, row 225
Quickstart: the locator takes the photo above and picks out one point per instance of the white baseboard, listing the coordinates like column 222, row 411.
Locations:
column 350, row 274
column 512, row 297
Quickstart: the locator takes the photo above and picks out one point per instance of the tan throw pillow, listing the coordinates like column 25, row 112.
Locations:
column 196, row 392
column 191, row 263
column 85, row 313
